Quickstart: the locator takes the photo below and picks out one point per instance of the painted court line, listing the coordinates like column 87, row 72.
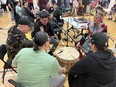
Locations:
column 9, row 75
column 9, row 25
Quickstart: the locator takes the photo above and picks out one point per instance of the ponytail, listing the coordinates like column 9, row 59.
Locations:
column 39, row 40
column 35, row 47
column 107, row 50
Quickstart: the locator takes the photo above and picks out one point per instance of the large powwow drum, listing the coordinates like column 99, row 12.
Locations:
column 67, row 56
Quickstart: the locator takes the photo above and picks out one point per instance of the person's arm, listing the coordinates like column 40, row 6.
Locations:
column 84, row 66
column 62, row 70
column 104, row 27
column 57, row 12
column 79, row 69
column 10, row 6
column 29, row 13
column 90, row 29
column 84, row 50
column 36, row 29
column 27, row 44
column 56, row 68
column 20, row 39
column 16, row 41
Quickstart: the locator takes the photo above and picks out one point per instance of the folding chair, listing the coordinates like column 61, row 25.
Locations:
column 14, row 83
column 7, row 64
column 57, row 29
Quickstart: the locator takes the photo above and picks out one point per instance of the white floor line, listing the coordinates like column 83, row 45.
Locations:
column 9, row 70
column 9, row 25
column 9, row 75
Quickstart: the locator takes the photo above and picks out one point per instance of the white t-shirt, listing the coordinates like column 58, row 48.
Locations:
column 3, row 1
column 17, row 0
column 18, row 10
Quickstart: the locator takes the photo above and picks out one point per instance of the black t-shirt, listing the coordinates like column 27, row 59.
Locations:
column 47, row 28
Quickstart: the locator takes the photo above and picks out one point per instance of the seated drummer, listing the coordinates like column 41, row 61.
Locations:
column 17, row 40
column 44, row 25
column 94, row 27
column 97, row 25
column 36, row 68
column 97, row 69
column 16, row 37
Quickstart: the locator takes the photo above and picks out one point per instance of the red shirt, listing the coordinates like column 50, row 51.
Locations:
column 30, row 1
column 43, row 2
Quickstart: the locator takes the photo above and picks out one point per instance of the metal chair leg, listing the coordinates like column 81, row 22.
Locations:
column 4, row 72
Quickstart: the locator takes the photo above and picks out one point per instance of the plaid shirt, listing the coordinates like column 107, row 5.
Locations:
column 14, row 41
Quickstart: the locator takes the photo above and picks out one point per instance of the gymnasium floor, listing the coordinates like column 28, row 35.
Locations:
column 5, row 23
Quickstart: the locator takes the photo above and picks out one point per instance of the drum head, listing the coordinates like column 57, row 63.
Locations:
column 67, row 54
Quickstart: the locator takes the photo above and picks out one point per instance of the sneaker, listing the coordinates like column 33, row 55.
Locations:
column 109, row 18
column 114, row 21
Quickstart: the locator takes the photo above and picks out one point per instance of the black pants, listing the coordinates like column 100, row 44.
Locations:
column 31, row 6
column 75, row 81
column 4, row 7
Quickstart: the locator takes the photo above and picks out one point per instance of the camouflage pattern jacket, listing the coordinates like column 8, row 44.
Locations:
column 14, row 41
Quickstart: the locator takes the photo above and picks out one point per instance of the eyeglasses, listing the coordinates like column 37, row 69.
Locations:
column 44, row 19
column 97, row 16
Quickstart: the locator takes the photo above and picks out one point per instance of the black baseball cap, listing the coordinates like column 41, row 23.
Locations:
column 100, row 39
column 25, row 21
column 44, row 14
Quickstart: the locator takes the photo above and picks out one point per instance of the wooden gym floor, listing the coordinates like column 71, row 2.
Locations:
column 5, row 23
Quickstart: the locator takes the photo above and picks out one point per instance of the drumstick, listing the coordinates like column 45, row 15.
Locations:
column 73, row 56
column 60, row 52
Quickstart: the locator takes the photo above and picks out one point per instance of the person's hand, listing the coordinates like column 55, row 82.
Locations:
column 78, row 46
column 34, row 12
column 35, row 20
column 55, row 36
column 51, row 15
column 41, row 28
column 63, row 70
